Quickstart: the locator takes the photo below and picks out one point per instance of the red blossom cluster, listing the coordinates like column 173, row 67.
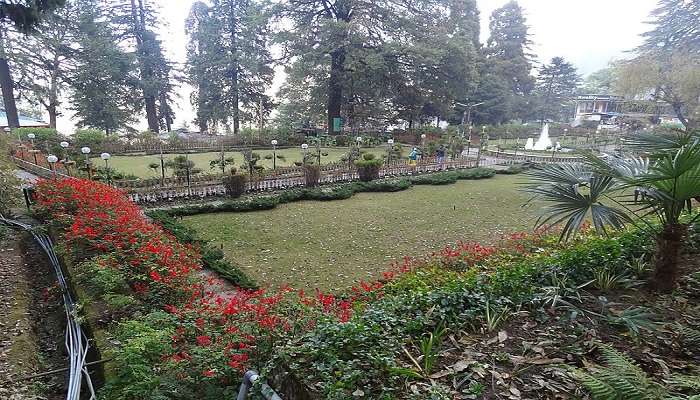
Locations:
column 464, row 254
column 100, row 219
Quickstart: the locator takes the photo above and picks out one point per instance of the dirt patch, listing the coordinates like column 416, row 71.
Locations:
column 32, row 321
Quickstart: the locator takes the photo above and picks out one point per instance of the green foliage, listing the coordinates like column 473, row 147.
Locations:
column 229, row 72
column 368, row 167
column 182, row 166
column 235, row 184
column 363, row 351
column 339, row 192
column 143, row 343
column 430, row 348
column 446, row 178
column 621, row 378
column 93, row 138
column 27, row 14
column 634, row 320
column 43, row 135
column 556, row 85
column 9, row 184
column 103, row 93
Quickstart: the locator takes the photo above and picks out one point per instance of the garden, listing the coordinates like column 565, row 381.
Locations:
column 464, row 301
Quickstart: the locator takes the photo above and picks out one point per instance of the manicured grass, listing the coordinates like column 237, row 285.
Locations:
column 138, row 164
column 331, row 245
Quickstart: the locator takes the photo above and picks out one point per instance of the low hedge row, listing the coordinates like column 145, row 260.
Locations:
column 212, row 258
column 339, row 192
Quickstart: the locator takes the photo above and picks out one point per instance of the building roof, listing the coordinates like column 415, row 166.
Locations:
column 24, row 121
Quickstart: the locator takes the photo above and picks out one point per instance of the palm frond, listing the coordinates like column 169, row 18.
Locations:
column 655, row 142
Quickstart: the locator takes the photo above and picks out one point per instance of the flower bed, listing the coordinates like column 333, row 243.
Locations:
column 179, row 334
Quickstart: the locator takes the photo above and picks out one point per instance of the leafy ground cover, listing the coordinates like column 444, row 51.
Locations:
column 331, row 245
column 137, row 165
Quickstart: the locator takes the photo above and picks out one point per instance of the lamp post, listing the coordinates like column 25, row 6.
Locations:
column 86, row 150
column 65, row 161
column 482, row 139
column 274, row 153
column 52, row 159
column 106, row 157
column 31, row 137
column 391, row 150
column 358, row 140
column 304, row 148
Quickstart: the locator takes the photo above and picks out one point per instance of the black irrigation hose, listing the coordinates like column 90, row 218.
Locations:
column 76, row 341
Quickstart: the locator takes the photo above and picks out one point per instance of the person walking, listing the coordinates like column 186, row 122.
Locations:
column 440, row 156
column 413, row 156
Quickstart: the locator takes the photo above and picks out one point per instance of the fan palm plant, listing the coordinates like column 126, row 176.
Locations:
column 667, row 175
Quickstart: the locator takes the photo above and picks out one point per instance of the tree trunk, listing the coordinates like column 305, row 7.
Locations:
column 335, row 87
column 53, row 114
column 138, row 19
column 668, row 249
column 8, row 95
column 235, row 96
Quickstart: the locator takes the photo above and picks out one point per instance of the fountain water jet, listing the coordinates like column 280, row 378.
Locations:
column 544, row 142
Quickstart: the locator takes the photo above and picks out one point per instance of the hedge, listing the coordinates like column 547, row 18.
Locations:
column 328, row 193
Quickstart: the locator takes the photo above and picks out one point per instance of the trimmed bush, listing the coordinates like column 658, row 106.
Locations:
column 368, row 167
column 339, row 192
column 235, row 185
column 312, row 175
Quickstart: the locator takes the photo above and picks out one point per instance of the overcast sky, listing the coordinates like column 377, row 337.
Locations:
column 588, row 33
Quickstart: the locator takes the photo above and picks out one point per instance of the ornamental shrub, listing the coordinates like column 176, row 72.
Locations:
column 312, row 175
column 234, row 185
column 368, row 167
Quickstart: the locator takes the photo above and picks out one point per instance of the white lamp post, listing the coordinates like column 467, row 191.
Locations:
column 304, row 148
column 106, row 157
column 274, row 153
column 52, row 159
column 391, row 148
column 31, row 137
column 86, row 150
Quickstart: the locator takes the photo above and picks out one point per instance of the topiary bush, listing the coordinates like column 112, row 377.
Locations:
column 368, row 167
column 234, row 185
column 312, row 175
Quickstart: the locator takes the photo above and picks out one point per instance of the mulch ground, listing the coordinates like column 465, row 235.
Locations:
column 522, row 358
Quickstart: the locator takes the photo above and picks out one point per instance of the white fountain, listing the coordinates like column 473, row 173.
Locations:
column 530, row 144
column 544, row 142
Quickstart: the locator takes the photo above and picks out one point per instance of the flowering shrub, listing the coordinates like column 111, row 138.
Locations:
column 98, row 218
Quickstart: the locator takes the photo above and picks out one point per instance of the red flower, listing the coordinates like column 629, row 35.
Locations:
column 203, row 340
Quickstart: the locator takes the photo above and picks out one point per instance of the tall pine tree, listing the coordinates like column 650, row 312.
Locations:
column 104, row 88
column 136, row 22
column 229, row 63
column 508, row 61
column 556, row 85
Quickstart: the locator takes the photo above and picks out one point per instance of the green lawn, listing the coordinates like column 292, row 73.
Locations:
column 331, row 245
column 138, row 164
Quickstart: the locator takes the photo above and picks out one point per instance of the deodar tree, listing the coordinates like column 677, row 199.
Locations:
column 103, row 84
column 229, row 63
column 24, row 15
column 368, row 63
column 135, row 22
